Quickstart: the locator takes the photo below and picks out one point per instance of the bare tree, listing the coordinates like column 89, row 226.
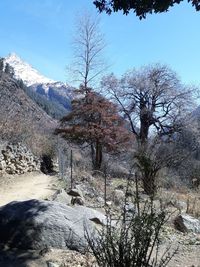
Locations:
column 88, row 46
column 154, row 102
column 151, row 98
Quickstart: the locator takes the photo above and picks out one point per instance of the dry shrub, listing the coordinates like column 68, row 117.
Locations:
column 131, row 239
column 132, row 242
column 38, row 140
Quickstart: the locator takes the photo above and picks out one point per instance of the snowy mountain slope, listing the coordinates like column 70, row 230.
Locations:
column 58, row 94
column 25, row 71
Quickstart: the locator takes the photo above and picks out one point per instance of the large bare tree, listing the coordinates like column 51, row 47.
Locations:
column 88, row 46
column 155, row 103
column 151, row 98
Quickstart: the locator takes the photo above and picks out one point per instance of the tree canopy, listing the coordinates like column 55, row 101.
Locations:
column 95, row 121
column 140, row 7
column 152, row 97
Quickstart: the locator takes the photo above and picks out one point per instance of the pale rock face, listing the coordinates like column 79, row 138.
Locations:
column 25, row 71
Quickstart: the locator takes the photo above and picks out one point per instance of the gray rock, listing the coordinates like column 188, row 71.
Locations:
column 109, row 203
column 35, row 224
column 118, row 197
column 186, row 223
column 52, row 264
column 78, row 201
column 62, row 197
column 18, row 167
column 130, row 208
column 2, row 165
column 75, row 192
column 100, row 200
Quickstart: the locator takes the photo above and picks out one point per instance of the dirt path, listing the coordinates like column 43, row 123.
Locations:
column 27, row 186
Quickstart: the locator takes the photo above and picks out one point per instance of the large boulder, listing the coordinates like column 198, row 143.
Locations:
column 186, row 223
column 36, row 224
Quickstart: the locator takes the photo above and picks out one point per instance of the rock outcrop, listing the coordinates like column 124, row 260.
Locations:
column 186, row 223
column 17, row 159
column 35, row 224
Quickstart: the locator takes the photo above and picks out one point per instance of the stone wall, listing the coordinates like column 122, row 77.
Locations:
column 17, row 159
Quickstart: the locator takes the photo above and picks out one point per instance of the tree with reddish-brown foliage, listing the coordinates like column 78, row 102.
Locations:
column 95, row 120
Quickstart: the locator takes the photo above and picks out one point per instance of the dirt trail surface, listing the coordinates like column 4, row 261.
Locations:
column 27, row 186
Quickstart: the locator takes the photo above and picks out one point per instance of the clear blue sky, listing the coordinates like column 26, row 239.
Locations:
column 40, row 32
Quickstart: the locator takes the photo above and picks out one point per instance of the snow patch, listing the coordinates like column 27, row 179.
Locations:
column 25, row 71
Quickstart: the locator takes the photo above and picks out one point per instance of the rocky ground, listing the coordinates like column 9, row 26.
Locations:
column 187, row 256
column 40, row 186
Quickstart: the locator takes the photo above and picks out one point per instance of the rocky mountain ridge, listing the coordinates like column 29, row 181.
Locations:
column 41, row 88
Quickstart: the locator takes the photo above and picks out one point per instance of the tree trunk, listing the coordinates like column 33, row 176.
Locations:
column 98, row 158
column 92, row 154
column 147, row 169
column 144, row 129
column 149, row 184
column 148, row 178
column 97, row 155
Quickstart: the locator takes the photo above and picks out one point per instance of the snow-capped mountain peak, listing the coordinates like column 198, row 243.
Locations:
column 26, row 72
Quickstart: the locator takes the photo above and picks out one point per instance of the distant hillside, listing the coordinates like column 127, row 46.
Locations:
column 51, row 107
column 22, row 120
column 53, row 97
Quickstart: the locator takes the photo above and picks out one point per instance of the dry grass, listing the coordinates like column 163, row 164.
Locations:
column 184, row 201
column 193, row 206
